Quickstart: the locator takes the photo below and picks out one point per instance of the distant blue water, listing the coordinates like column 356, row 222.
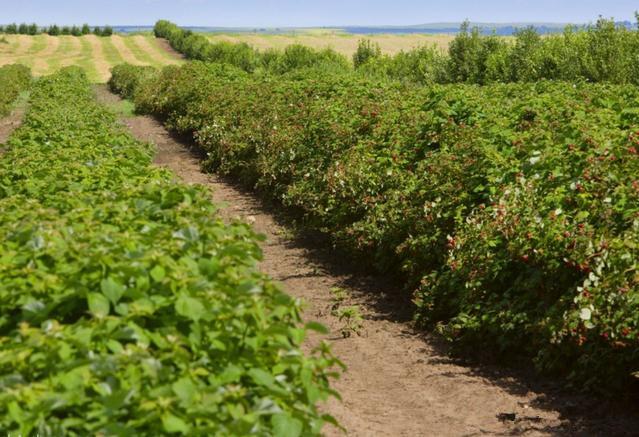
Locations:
column 503, row 30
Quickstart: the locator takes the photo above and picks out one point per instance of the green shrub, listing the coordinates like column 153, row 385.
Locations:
column 510, row 209
column 125, row 78
column 423, row 65
column 241, row 55
column 127, row 307
column 366, row 50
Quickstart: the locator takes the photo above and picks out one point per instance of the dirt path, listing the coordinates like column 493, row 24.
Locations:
column 398, row 383
column 163, row 44
column 10, row 123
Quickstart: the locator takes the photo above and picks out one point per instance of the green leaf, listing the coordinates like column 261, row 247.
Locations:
column 158, row 273
column 185, row 389
column 98, row 305
column 189, row 307
column 262, row 377
column 317, row 327
column 112, row 289
column 286, row 426
column 173, row 424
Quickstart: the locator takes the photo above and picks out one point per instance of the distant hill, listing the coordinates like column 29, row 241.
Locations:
column 429, row 28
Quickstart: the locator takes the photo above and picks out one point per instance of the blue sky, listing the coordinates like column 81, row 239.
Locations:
column 273, row 13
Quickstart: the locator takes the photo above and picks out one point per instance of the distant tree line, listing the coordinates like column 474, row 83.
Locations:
column 601, row 52
column 55, row 30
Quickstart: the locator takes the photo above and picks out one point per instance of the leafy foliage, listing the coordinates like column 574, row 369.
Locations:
column 126, row 306
column 510, row 210
column 602, row 52
column 241, row 55
column 126, row 78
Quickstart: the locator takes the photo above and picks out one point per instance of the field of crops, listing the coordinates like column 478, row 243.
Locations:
column 345, row 44
column 46, row 54
column 495, row 182
column 511, row 211
column 127, row 306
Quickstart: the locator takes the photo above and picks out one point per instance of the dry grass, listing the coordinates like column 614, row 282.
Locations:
column 45, row 54
column 343, row 43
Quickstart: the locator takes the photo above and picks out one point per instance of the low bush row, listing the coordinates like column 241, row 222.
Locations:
column 14, row 79
column 126, row 78
column 197, row 46
column 511, row 211
column 126, row 306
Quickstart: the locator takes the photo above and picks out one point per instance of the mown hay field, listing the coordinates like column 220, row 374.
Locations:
column 341, row 42
column 46, row 54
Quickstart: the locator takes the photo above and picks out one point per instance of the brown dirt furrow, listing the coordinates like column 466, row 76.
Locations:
column 164, row 45
column 10, row 123
column 399, row 382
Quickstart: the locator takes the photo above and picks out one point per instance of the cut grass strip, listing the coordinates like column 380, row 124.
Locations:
column 40, row 61
column 54, row 62
column 150, row 44
column 88, row 60
column 100, row 63
column 140, row 54
column 111, row 53
column 125, row 53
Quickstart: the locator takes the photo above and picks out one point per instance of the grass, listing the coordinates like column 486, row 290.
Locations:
column 141, row 55
column 111, row 53
column 124, row 108
column 86, row 60
column 339, row 41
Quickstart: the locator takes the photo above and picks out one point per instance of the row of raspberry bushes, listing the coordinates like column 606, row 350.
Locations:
column 126, row 306
column 511, row 210
column 14, row 79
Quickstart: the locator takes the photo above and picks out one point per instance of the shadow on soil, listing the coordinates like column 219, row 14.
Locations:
column 581, row 414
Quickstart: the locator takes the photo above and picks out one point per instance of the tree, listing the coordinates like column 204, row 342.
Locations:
column 12, row 29
column 107, row 31
column 75, row 31
column 1, row 29
column 54, row 30
column 366, row 50
column 33, row 29
column 23, row 29
column 86, row 29
column 66, row 30
column 97, row 31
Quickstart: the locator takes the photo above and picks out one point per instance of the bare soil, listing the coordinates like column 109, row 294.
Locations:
column 10, row 123
column 164, row 44
column 399, row 382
